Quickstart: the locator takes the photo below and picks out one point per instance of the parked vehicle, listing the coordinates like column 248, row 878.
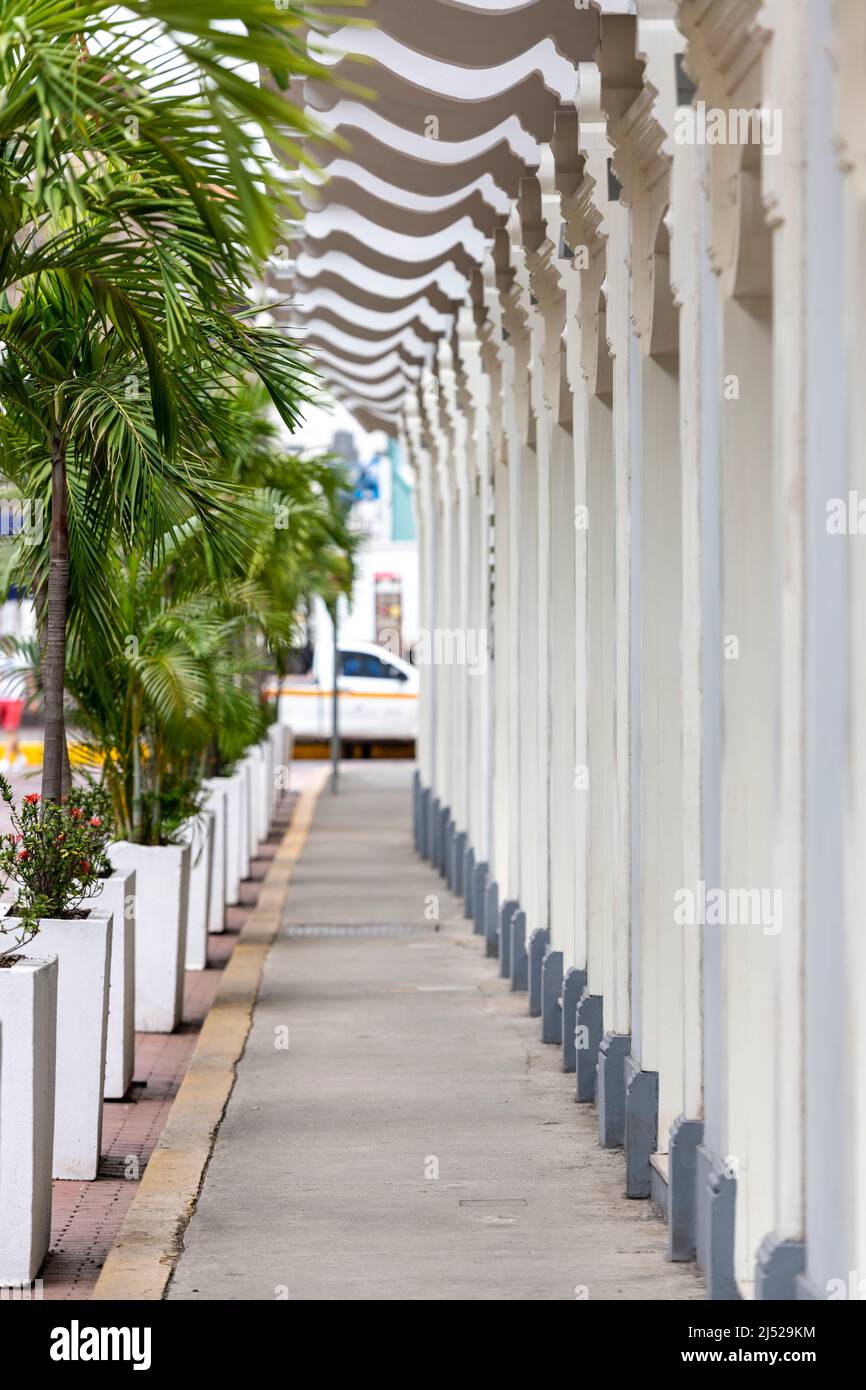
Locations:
column 377, row 695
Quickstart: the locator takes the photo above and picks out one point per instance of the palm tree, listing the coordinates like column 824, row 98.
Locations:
column 151, row 708
column 130, row 219
column 81, row 437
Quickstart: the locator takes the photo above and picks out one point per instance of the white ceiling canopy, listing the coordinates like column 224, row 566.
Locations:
column 457, row 101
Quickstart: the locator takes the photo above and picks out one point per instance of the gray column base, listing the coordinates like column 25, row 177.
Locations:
column 519, row 959
column 468, row 883
column 551, row 995
column 716, row 1206
column 660, row 1192
column 460, row 864
column 423, row 830
column 641, row 1126
column 491, row 919
column 778, row 1266
column 449, row 852
column 506, row 917
column 445, row 816
column 416, row 811
column 429, row 825
column 435, row 830
column 588, row 1029
column 539, row 941
column 478, row 898
column 610, row 1089
column 572, row 988
column 685, row 1136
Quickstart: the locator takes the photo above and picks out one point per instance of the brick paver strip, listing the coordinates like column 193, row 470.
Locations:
column 141, row 1260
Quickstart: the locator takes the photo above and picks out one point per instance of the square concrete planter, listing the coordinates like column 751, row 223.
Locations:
column 198, row 834
column 28, row 1028
column 118, row 898
column 216, row 801
column 266, row 808
column 283, row 742
column 233, row 787
column 83, row 950
column 258, row 798
column 276, row 739
column 244, row 771
column 252, row 760
column 161, row 905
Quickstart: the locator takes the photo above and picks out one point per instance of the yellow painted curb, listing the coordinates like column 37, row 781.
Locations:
column 140, row 1263
column 31, row 751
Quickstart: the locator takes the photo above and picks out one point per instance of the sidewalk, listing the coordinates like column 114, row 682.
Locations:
column 415, row 1140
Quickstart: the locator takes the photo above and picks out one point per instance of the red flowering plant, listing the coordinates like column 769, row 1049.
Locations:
column 52, row 859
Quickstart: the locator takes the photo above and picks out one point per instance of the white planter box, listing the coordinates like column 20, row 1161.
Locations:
column 28, row 1025
column 284, row 747
column 233, row 789
column 258, row 803
column 244, row 769
column 198, row 834
column 267, row 787
column 275, row 739
column 161, row 905
column 118, row 898
column 217, row 802
column 254, row 763
column 83, row 950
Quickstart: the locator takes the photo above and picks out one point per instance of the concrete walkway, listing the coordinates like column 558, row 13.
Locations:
column 415, row 1140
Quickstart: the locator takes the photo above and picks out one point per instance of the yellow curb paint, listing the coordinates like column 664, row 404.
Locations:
column 139, row 1264
column 31, row 752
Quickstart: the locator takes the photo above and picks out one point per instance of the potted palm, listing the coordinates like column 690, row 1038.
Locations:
column 143, row 711
column 160, row 854
column 50, row 864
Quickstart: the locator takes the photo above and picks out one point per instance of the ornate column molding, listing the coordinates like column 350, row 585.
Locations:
column 489, row 317
column 512, row 283
column 585, row 215
column 472, row 390
column 434, row 436
column 848, row 47
column 410, row 430
column 637, row 62
column 725, row 45
column 539, row 211
column 587, row 231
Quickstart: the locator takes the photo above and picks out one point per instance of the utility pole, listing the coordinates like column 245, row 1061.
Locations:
column 335, row 717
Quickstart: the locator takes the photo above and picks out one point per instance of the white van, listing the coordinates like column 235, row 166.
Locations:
column 377, row 695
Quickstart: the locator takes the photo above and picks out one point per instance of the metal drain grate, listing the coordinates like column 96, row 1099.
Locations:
column 360, row 929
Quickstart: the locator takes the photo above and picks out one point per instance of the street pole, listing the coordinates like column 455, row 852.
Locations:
column 335, row 721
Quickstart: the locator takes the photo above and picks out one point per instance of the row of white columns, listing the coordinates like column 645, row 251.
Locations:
column 627, row 456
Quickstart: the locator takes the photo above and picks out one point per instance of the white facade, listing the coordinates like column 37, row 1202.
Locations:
column 398, row 558
column 619, row 323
